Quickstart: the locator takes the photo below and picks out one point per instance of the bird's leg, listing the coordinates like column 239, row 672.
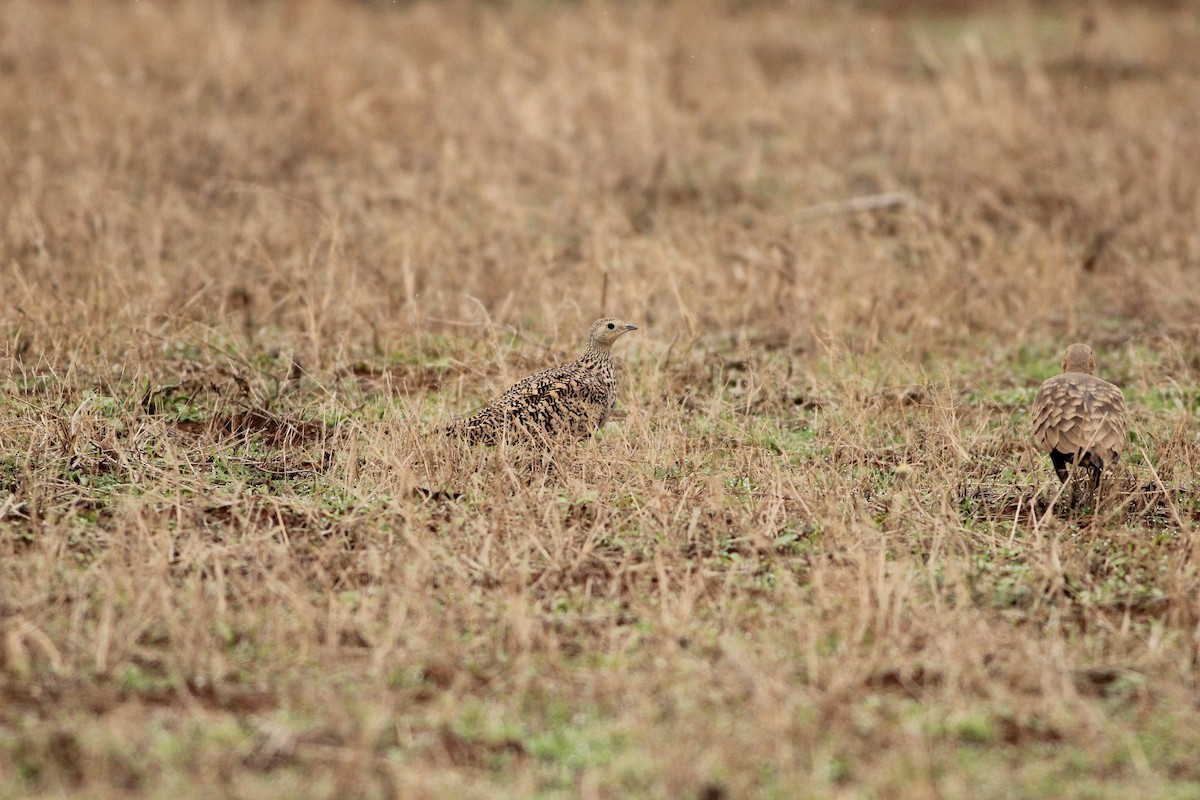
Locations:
column 1073, row 494
column 1060, row 465
column 1094, row 473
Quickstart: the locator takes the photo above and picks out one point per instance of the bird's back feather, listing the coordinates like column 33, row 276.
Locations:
column 1080, row 416
column 571, row 399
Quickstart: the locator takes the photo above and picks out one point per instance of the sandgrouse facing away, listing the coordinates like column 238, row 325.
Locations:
column 1079, row 418
column 572, row 400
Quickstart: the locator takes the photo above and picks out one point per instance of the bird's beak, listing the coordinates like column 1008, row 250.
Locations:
column 631, row 327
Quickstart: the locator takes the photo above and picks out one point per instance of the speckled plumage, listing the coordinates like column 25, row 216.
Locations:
column 572, row 400
column 1079, row 418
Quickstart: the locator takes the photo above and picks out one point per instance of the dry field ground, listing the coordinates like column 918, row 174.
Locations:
column 251, row 253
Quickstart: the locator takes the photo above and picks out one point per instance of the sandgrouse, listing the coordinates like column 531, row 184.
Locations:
column 572, row 400
column 1079, row 418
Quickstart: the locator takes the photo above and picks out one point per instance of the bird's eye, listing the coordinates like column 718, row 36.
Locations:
column 611, row 326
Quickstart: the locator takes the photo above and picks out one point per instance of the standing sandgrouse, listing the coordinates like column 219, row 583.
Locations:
column 1079, row 418
column 572, row 399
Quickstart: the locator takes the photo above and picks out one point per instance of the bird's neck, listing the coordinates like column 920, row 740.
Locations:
column 596, row 354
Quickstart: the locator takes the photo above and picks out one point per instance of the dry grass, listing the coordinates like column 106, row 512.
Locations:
column 251, row 251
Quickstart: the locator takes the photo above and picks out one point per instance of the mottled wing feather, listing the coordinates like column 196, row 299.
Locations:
column 1076, row 414
column 568, row 399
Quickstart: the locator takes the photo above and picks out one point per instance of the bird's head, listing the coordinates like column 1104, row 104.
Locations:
column 1079, row 358
column 606, row 331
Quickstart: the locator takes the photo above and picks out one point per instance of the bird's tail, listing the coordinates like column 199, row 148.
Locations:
column 467, row 428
